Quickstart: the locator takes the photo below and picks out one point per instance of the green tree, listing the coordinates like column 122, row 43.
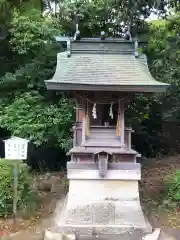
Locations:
column 27, row 108
column 164, row 56
column 34, row 59
column 45, row 123
column 113, row 17
column 164, row 63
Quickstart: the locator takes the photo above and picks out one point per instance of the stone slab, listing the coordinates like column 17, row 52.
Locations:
column 110, row 207
column 111, row 174
column 135, row 235
column 165, row 234
column 92, row 150
column 101, row 231
column 80, row 214
column 111, row 166
column 105, row 213
column 85, row 191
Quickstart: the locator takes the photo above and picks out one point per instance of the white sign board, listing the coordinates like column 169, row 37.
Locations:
column 16, row 148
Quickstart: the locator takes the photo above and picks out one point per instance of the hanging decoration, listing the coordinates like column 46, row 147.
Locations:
column 94, row 114
column 118, row 124
column 87, row 125
column 111, row 111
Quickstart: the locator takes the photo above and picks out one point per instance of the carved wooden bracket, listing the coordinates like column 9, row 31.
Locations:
column 103, row 158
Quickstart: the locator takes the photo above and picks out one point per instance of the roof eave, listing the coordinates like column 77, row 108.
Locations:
column 52, row 85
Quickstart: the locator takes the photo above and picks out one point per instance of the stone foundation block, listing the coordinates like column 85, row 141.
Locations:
column 48, row 235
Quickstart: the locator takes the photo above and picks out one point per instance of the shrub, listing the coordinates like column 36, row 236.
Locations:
column 173, row 187
column 25, row 191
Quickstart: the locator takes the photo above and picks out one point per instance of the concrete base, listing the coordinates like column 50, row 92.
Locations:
column 48, row 235
column 102, row 207
column 136, row 236
column 153, row 236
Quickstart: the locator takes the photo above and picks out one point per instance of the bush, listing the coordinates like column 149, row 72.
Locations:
column 173, row 187
column 25, row 192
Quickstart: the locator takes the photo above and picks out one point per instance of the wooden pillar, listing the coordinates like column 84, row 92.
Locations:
column 79, row 113
column 122, row 122
column 74, row 136
column 81, row 118
column 83, row 129
column 129, row 138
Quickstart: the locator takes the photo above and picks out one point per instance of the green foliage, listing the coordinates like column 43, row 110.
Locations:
column 30, row 31
column 30, row 116
column 109, row 16
column 95, row 16
column 32, row 74
column 25, row 193
column 7, row 7
column 173, row 187
column 27, row 109
column 147, row 114
column 164, row 56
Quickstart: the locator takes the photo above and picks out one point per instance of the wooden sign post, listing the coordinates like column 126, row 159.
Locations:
column 15, row 190
column 15, row 151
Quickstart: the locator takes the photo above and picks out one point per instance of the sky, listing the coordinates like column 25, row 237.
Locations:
column 152, row 17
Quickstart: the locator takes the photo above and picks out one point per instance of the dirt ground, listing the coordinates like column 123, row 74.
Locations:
column 154, row 176
column 52, row 188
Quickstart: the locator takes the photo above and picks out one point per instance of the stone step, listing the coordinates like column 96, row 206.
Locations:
column 137, row 235
column 104, row 233
column 103, row 133
column 100, row 137
column 103, row 130
column 103, row 144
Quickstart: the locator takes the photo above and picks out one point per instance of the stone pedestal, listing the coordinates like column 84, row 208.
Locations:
column 101, row 207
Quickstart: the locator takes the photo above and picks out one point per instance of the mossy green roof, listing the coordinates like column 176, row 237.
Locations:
column 104, row 70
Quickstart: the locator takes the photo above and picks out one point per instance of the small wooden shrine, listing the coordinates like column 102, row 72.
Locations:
column 101, row 75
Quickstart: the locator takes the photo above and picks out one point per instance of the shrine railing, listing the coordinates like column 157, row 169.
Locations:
column 105, row 135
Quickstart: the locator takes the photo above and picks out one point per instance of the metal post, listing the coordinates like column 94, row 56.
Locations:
column 15, row 191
